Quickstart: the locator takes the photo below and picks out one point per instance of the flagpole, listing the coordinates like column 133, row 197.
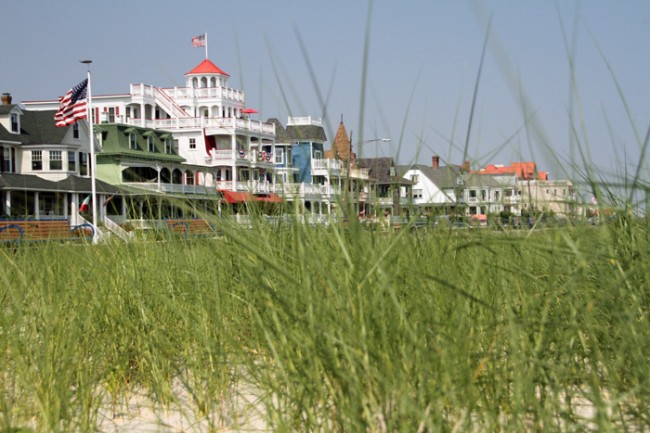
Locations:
column 93, row 186
column 206, row 45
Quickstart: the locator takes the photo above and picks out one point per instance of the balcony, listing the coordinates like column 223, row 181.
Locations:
column 213, row 126
column 324, row 167
column 171, row 187
column 252, row 186
column 253, row 158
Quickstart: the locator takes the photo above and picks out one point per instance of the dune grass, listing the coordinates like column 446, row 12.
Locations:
column 335, row 330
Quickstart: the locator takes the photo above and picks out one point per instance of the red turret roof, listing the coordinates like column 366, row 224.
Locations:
column 207, row 67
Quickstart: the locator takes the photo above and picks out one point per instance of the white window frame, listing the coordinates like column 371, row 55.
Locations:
column 56, row 156
column 37, row 159
column 192, row 143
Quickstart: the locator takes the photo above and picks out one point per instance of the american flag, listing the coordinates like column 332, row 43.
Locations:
column 198, row 41
column 72, row 106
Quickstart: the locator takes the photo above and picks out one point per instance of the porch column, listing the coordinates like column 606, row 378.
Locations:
column 37, row 211
column 8, row 203
column 65, row 206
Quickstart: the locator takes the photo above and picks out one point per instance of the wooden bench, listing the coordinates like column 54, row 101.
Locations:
column 190, row 227
column 43, row 230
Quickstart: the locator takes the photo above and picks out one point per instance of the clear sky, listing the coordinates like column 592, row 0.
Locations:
column 561, row 81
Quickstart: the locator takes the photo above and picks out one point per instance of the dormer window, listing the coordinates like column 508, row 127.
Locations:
column 168, row 145
column 15, row 123
column 150, row 144
column 133, row 141
column 75, row 131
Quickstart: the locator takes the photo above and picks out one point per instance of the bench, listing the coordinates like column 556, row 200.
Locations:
column 43, row 230
column 190, row 227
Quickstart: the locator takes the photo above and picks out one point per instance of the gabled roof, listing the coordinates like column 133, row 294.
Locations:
column 306, row 132
column 281, row 135
column 207, row 67
column 73, row 183
column 443, row 177
column 380, row 170
column 36, row 127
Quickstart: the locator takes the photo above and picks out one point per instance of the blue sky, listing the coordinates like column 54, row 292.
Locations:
column 417, row 78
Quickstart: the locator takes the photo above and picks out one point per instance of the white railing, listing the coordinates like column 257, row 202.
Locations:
column 223, row 93
column 228, row 155
column 171, row 187
column 252, row 186
column 329, row 165
column 169, row 104
column 305, row 120
column 204, row 122
column 118, row 231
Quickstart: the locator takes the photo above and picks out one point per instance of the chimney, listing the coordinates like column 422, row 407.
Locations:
column 435, row 161
column 466, row 165
column 6, row 99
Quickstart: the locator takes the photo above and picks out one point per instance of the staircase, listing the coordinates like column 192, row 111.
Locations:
column 168, row 104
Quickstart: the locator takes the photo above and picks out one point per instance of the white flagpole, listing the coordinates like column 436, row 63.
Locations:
column 206, row 45
column 93, row 186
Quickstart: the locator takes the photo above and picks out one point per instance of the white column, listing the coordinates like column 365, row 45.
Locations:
column 8, row 203
column 37, row 211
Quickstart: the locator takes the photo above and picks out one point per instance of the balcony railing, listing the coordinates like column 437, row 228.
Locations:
column 328, row 165
column 229, row 156
column 224, row 93
column 171, row 187
column 229, row 123
column 252, row 186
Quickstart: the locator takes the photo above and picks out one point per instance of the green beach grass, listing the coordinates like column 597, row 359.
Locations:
column 333, row 330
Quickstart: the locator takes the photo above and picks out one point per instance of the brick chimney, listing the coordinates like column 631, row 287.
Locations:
column 6, row 99
column 435, row 161
column 465, row 166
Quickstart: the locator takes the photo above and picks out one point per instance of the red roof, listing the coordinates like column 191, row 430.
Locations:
column 207, row 67
column 523, row 170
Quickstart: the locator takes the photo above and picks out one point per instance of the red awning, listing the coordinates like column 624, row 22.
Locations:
column 269, row 198
column 233, row 197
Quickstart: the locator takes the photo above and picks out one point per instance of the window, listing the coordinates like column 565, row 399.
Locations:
column 75, row 131
column 56, row 160
column 15, row 127
column 151, row 145
column 5, row 164
column 83, row 164
column 37, row 160
column 279, row 155
column 168, row 145
column 189, row 178
column 483, row 195
column 71, row 161
column 415, row 178
column 472, row 193
column 318, row 154
column 192, row 143
column 417, row 193
column 133, row 141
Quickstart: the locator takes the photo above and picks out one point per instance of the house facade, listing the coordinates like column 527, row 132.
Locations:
column 45, row 171
column 209, row 124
